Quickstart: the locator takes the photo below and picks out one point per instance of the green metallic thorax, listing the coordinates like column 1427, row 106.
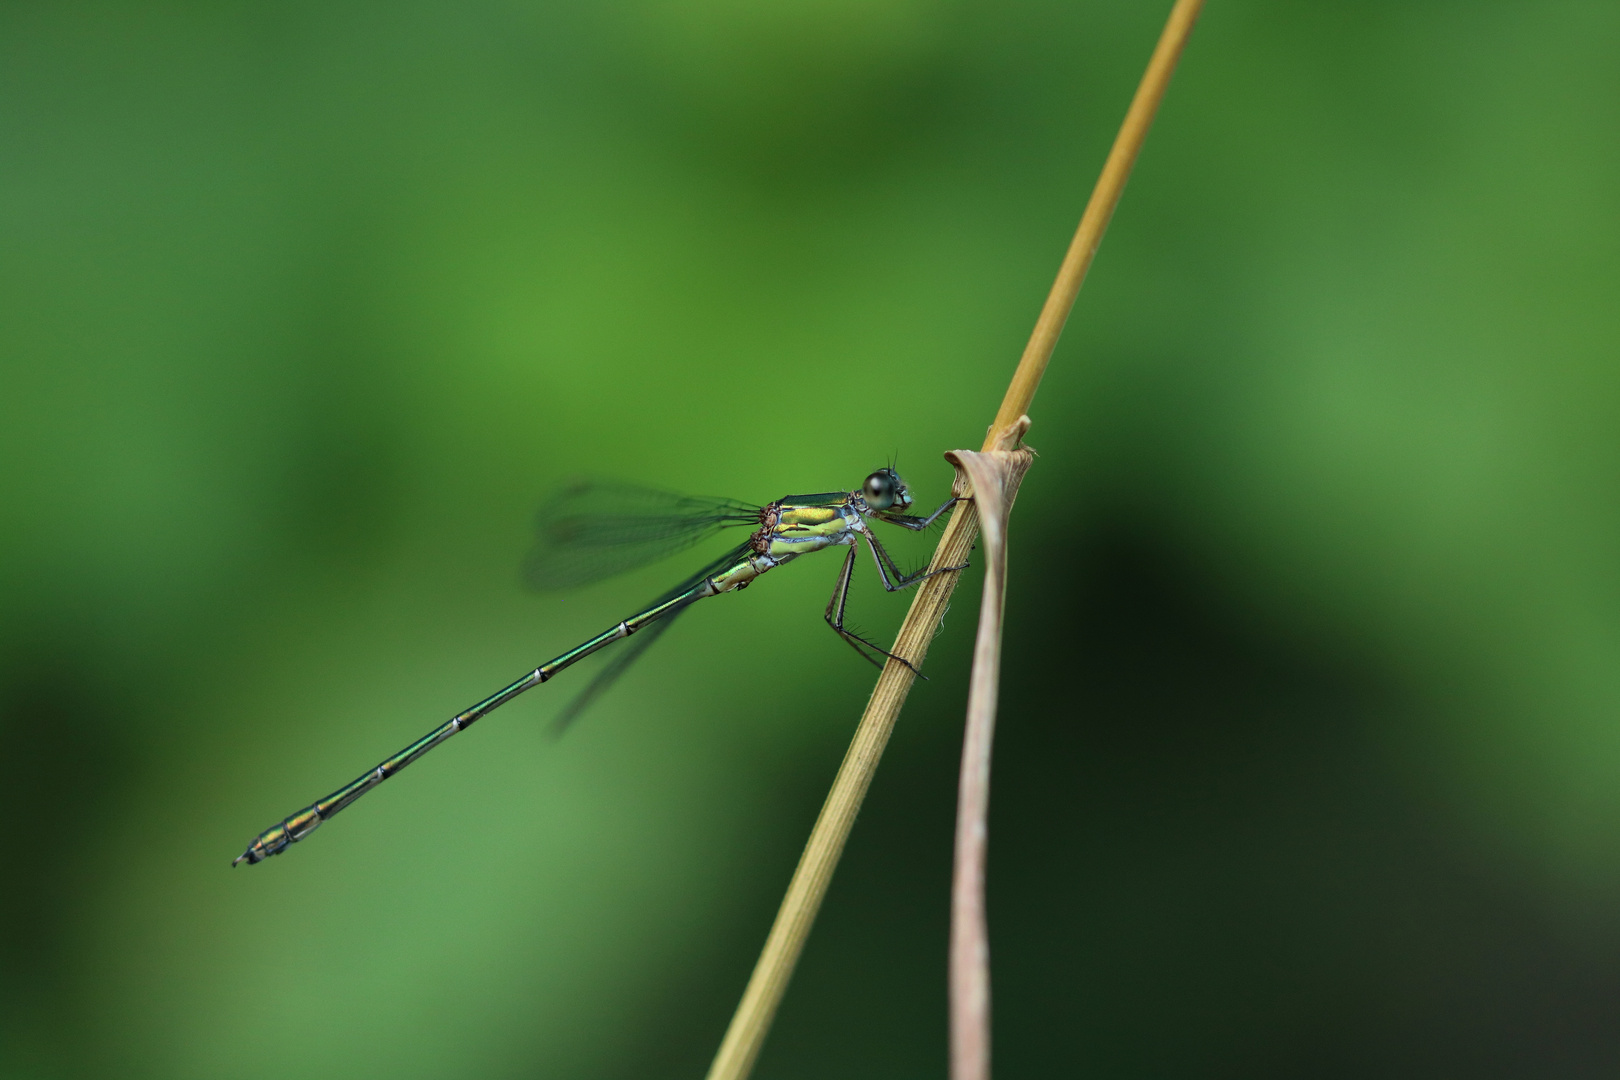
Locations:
column 788, row 530
column 799, row 530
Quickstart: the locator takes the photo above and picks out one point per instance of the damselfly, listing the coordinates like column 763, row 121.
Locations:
column 593, row 530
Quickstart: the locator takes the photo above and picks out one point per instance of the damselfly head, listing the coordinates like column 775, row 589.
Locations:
column 884, row 490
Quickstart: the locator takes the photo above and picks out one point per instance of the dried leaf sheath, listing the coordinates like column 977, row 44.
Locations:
column 994, row 477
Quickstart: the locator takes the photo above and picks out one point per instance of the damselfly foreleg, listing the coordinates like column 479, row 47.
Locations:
column 918, row 524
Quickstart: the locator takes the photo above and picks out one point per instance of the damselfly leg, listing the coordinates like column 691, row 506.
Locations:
column 918, row 524
column 840, row 597
column 881, row 556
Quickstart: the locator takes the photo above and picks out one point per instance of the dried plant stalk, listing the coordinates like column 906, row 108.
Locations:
column 994, row 477
column 751, row 1021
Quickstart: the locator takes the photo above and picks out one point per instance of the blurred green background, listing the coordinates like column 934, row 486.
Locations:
column 1309, row 762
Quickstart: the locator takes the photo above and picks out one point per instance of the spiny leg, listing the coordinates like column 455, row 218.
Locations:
column 835, row 618
column 918, row 524
column 901, row 581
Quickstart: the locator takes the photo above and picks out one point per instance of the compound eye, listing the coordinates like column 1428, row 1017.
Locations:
column 879, row 491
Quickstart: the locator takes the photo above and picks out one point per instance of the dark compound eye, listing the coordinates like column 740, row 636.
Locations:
column 879, row 491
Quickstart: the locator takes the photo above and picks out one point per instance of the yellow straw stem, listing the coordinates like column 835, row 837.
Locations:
column 1094, row 222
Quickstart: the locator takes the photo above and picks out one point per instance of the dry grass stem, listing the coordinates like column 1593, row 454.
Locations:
column 751, row 1021
column 1099, row 211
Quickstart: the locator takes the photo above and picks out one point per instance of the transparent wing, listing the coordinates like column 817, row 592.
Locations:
column 642, row 641
column 592, row 530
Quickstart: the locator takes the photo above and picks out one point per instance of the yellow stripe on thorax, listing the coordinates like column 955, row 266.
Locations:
column 803, row 529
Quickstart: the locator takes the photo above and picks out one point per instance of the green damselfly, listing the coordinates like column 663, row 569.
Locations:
column 594, row 530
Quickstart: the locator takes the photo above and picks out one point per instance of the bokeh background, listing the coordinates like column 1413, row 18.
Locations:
column 1309, row 763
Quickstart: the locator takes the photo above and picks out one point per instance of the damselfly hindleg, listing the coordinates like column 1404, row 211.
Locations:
column 835, row 619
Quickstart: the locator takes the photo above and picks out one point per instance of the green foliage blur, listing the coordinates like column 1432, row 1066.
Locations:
column 1309, row 761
